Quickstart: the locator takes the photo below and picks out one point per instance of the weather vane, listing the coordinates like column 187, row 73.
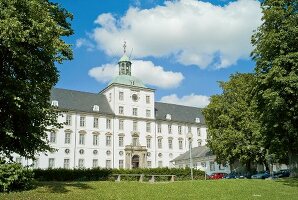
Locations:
column 124, row 47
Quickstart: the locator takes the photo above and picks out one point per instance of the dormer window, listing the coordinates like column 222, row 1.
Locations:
column 96, row 108
column 55, row 103
column 168, row 116
column 198, row 120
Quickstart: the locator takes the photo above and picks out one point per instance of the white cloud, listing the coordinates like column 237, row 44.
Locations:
column 190, row 100
column 82, row 42
column 189, row 31
column 144, row 70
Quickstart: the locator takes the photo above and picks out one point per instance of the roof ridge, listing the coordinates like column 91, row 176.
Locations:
column 177, row 104
column 76, row 91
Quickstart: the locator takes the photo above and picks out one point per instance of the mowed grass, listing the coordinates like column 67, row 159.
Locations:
column 211, row 189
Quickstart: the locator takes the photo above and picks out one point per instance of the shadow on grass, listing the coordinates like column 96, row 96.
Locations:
column 292, row 182
column 63, row 187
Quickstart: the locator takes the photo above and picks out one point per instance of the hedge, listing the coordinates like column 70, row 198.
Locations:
column 103, row 174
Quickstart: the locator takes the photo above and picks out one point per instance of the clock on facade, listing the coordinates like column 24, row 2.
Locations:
column 135, row 97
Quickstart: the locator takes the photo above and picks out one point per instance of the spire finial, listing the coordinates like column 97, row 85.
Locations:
column 124, row 47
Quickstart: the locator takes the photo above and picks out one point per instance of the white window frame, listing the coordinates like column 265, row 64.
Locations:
column 121, row 124
column 66, row 163
column 121, row 96
column 148, row 127
column 95, row 138
column 67, row 138
column 53, row 137
column 108, row 123
column 159, row 143
column 121, row 141
column 108, row 140
column 51, row 163
column 95, row 122
column 82, row 138
column 135, row 111
column 68, row 120
column 148, row 143
column 82, row 121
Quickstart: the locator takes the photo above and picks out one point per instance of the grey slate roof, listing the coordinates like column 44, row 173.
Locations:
column 178, row 113
column 84, row 102
column 80, row 101
column 197, row 152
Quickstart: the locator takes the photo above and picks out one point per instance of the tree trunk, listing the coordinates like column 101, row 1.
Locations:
column 293, row 164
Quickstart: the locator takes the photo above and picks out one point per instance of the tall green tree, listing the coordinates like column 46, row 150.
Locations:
column 30, row 45
column 276, row 55
column 233, row 130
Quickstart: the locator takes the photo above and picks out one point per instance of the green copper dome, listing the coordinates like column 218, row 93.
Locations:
column 124, row 58
column 128, row 80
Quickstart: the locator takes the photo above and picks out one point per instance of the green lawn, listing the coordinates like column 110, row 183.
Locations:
column 219, row 189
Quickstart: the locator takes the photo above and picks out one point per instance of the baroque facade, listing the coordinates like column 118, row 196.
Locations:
column 120, row 127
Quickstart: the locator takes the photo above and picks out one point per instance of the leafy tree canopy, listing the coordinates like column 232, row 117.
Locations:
column 276, row 55
column 233, row 129
column 30, row 44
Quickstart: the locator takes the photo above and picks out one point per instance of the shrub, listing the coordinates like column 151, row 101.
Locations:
column 14, row 177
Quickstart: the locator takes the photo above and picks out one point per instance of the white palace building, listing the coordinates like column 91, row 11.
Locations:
column 120, row 127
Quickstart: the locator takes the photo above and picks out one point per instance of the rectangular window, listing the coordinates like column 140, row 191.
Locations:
column 198, row 131
column 108, row 124
column 53, row 137
column 82, row 138
column 160, row 163
column 147, row 99
column 148, row 141
column 189, row 129
column 121, row 110
column 121, row 141
column 95, row 122
column 121, row 124
column 159, row 142
column 95, row 139
column 203, row 164
column 108, row 164
column 82, row 121
column 108, row 140
column 212, row 166
column 159, row 128
column 135, row 141
column 180, row 144
column 135, row 112
column 149, row 164
column 81, row 163
column 148, row 127
column 120, row 164
column 179, row 130
column 121, row 96
column 68, row 120
column 135, row 126
column 51, row 162
column 67, row 138
column 148, row 113
column 66, row 163
column 95, row 163
column 170, row 129
column 36, row 163
column 170, row 144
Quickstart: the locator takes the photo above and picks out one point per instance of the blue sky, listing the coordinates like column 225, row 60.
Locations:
column 180, row 48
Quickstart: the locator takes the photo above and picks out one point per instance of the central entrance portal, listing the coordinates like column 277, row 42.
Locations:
column 135, row 161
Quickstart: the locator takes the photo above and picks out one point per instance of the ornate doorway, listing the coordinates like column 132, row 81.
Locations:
column 135, row 161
